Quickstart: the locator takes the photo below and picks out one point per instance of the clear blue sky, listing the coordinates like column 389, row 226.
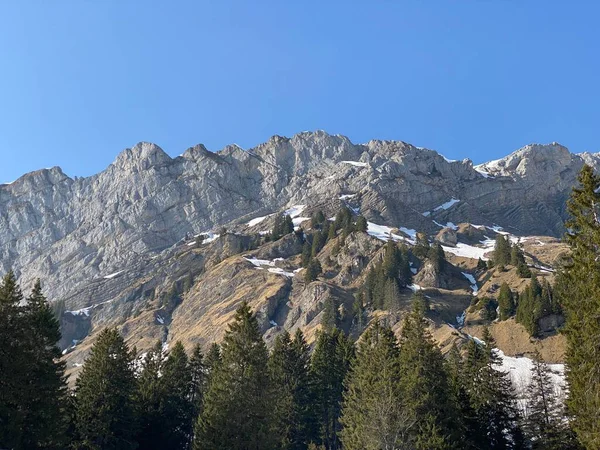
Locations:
column 82, row 79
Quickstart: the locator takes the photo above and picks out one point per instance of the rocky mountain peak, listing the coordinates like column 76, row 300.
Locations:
column 142, row 156
column 533, row 160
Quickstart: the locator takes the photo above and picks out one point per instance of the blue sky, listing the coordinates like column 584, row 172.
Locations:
column 80, row 80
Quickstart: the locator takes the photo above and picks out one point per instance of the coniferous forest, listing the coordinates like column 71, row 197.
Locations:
column 387, row 390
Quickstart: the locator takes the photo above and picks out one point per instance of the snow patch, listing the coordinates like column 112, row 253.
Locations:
column 256, row 221
column 355, row 163
column 453, row 201
column 294, row 211
column 384, row 233
column 347, row 196
column 469, row 251
column 473, row 282
column 259, row 263
column 113, row 275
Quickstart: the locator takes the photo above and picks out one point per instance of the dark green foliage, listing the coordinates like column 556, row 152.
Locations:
column 544, row 424
column 516, row 255
column 283, row 225
column 491, row 397
column 489, row 306
column 361, row 224
column 105, row 414
column 437, row 257
column 421, row 247
column 289, row 366
column 343, row 220
column 536, row 302
column 331, row 232
column 318, row 218
column 329, row 364
column 200, row 239
column 212, row 360
column 237, row 410
column 481, row 265
column 318, row 242
column 33, row 392
column 373, row 414
column 580, row 297
column 306, row 254
column 506, row 302
column 427, row 397
column 523, row 271
column 198, row 381
column 312, row 271
column 385, row 279
column 501, row 251
column 358, row 310
column 331, row 314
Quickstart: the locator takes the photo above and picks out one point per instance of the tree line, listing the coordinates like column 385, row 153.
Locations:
column 381, row 392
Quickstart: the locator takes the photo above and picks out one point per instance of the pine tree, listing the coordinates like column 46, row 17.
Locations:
column 361, row 224
column 289, row 371
column 105, row 411
column 358, row 310
column 501, row 251
column 237, row 405
column 372, row 413
column 581, row 303
column 506, row 303
column 545, row 426
column 331, row 314
column 426, row 393
column 421, row 247
column 149, row 399
column 318, row 218
column 288, row 225
column 33, row 391
column 198, row 382
column 481, row 265
column 318, row 243
column 437, row 257
column 329, row 365
column 313, row 270
column 343, row 219
column 331, row 232
column 491, row 396
column 306, row 254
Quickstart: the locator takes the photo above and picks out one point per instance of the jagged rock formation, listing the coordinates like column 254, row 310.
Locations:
column 111, row 243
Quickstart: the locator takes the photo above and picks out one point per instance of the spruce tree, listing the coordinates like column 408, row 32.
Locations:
column 306, row 254
column 373, row 415
column 545, row 424
column 33, row 391
column 491, row 396
column 289, row 371
column 437, row 257
column 426, row 393
column 580, row 297
column 329, row 365
column 105, row 412
column 312, row 271
column 318, row 242
column 361, row 224
column 331, row 314
column 506, row 303
column 237, row 406
column 501, row 251
column 198, row 380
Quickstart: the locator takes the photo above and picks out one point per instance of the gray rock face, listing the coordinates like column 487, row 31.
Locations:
column 75, row 233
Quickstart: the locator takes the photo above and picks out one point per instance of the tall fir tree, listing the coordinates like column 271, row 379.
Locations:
column 33, row 390
column 105, row 413
column 289, row 365
column 544, row 424
column 237, row 407
column 331, row 314
column 580, row 297
column 491, row 396
column 329, row 365
column 506, row 304
column 427, row 397
column 501, row 251
column 373, row 415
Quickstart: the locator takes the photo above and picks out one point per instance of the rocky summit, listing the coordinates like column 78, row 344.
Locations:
column 121, row 248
